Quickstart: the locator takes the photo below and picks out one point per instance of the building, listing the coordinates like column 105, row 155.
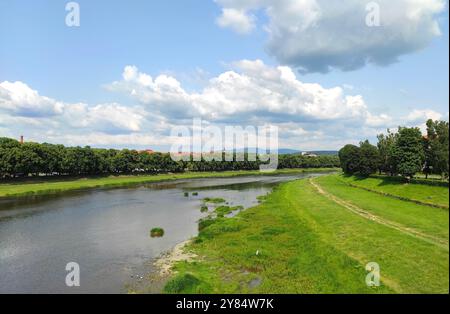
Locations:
column 308, row 154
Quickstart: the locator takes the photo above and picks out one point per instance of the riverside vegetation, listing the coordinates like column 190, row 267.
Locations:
column 317, row 236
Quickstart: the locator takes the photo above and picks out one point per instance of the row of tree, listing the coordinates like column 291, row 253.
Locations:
column 406, row 153
column 25, row 159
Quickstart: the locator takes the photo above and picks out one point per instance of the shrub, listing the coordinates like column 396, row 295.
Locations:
column 182, row 283
column 157, row 232
column 216, row 200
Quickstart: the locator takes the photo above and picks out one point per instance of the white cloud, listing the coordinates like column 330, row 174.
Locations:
column 319, row 35
column 20, row 104
column 309, row 116
column 251, row 89
column 238, row 20
column 422, row 115
column 23, row 101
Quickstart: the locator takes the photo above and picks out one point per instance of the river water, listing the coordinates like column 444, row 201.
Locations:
column 106, row 231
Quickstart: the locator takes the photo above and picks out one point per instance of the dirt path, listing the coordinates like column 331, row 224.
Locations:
column 367, row 215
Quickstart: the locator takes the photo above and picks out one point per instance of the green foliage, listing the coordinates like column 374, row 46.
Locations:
column 349, row 159
column 206, row 222
column 436, row 147
column 404, row 153
column 157, row 232
column 408, row 152
column 23, row 160
column 223, row 211
column 363, row 160
column 216, row 200
column 186, row 283
column 369, row 158
column 386, row 145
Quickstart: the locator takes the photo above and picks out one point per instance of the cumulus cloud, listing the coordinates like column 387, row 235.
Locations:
column 21, row 100
column 20, row 104
column 320, row 35
column 422, row 115
column 309, row 116
column 251, row 89
column 237, row 20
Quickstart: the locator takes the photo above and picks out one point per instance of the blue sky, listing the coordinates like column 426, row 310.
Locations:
column 184, row 40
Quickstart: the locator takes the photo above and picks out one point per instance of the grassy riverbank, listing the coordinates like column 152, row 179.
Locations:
column 422, row 193
column 43, row 186
column 317, row 236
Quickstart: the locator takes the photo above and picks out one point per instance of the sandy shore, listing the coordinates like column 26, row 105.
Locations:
column 165, row 263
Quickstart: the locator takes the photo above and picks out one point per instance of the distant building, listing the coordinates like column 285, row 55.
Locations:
column 308, row 154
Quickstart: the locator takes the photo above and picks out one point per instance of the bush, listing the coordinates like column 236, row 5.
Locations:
column 182, row 283
column 216, row 200
column 203, row 223
column 157, row 232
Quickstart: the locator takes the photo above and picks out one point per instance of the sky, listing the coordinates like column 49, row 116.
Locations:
column 132, row 71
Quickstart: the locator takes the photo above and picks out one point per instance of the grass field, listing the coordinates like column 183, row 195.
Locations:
column 316, row 236
column 42, row 186
column 428, row 194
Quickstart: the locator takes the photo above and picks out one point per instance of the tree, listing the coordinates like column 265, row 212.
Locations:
column 368, row 159
column 349, row 158
column 386, row 144
column 408, row 152
column 436, row 148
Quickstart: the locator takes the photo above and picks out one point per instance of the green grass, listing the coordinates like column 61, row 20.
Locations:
column 300, row 241
column 435, row 195
column 216, row 200
column 43, row 186
column 427, row 219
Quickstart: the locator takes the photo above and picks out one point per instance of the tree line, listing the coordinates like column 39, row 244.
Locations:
column 405, row 152
column 34, row 159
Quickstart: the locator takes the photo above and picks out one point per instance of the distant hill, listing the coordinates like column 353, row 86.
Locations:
column 286, row 151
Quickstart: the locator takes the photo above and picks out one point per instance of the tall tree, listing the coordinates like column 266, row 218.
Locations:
column 349, row 158
column 368, row 159
column 386, row 145
column 436, row 145
column 408, row 152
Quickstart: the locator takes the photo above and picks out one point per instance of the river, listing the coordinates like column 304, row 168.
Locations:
column 106, row 231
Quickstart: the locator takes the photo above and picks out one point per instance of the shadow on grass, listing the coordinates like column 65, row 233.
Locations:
column 395, row 180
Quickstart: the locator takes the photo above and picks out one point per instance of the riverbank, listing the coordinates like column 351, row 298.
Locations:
column 317, row 236
column 46, row 186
